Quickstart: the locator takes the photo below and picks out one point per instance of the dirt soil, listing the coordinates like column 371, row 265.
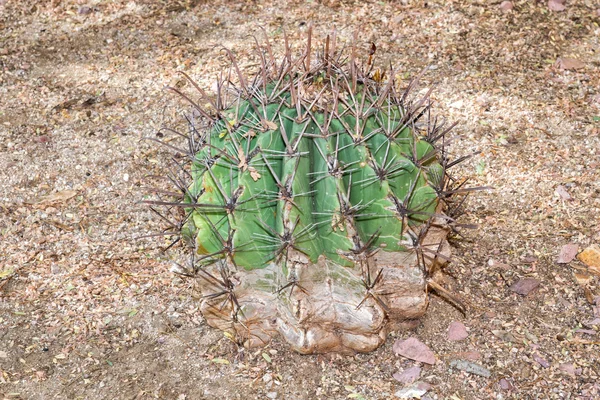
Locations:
column 88, row 311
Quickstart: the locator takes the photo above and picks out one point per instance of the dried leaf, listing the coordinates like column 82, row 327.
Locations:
column 504, row 335
column 270, row 125
column 470, row 368
column 358, row 396
column 56, row 197
column 414, row 349
column 249, row 134
column 457, row 331
column 409, row 375
column 6, row 272
column 243, row 165
column 566, row 63
column 541, row 360
column 582, row 278
column 569, row 368
column 591, row 257
column 589, row 296
column 568, row 253
column 525, row 286
column 586, row 331
column 220, row 361
column 416, row 390
column 495, row 264
column 594, row 322
column 254, row 174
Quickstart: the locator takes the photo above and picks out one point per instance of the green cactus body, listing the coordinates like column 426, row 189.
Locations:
column 315, row 177
column 305, row 183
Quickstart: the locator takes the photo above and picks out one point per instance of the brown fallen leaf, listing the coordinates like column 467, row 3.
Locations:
column 56, row 197
column 582, row 278
column 269, row 125
column 409, row 375
column 567, row 253
column 242, row 165
column 589, row 296
column 567, row 63
column 591, row 257
column 414, row 349
column 254, row 174
column 525, row 286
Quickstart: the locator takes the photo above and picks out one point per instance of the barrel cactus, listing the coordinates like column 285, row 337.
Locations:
column 312, row 200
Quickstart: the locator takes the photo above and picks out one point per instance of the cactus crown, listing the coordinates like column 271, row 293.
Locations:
column 322, row 158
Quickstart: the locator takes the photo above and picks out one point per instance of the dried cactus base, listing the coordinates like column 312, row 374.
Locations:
column 327, row 308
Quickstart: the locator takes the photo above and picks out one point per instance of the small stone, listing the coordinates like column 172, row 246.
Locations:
column 85, row 10
column 41, row 375
column 457, row 331
column 568, row 253
column 506, row 6
column 562, row 192
column 505, row 384
column 272, row 395
column 556, row 5
column 414, row 349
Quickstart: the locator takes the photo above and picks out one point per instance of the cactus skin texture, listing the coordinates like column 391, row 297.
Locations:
column 314, row 200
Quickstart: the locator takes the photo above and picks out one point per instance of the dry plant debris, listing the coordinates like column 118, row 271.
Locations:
column 88, row 311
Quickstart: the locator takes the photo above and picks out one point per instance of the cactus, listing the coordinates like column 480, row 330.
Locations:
column 313, row 200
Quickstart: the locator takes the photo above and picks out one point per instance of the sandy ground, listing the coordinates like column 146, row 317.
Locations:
column 87, row 311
